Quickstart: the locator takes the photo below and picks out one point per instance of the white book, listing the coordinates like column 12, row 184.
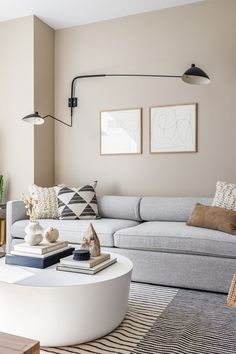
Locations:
column 92, row 262
column 42, row 248
column 35, row 255
column 91, row 271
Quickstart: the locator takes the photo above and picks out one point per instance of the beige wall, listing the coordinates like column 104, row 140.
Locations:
column 16, row 100
column 26, row 84
column 167, row 42
column 44, row 103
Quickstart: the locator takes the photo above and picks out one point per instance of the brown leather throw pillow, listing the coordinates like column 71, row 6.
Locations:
column 212, row 217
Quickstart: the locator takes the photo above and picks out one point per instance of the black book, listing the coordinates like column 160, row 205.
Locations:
column 34, row 262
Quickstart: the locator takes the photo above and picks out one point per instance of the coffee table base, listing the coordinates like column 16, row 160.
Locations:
column 64, row 315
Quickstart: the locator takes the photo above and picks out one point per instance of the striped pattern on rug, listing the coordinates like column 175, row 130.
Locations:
column 146, row 304
column 163, row 320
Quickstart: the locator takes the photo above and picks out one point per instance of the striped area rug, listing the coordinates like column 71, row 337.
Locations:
column 163, row 320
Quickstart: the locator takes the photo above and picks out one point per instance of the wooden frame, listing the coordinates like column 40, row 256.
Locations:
column 2, row 232
column 139, row 135
column 175, row 148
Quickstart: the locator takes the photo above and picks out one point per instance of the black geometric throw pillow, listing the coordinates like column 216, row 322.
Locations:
column 77, row 203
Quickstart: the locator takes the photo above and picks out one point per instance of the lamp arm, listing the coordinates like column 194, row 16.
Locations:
column 72, row 102
column 58, row 120
column 193, row 75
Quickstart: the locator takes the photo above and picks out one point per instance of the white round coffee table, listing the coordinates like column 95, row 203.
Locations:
column 61, row 308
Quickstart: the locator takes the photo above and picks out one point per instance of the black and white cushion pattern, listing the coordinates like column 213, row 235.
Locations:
column 77, row 203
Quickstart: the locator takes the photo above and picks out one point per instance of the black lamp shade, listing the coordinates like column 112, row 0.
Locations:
column 34, row 118
column 195, row 76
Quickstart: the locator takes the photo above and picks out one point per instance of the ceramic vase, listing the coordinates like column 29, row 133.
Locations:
column 33, row 233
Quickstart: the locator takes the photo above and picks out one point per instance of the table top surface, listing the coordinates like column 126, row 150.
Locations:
column 50, row 277
column 10, row 344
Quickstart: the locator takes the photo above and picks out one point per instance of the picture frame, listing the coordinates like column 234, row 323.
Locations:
column 173, row 128
column 121, row 132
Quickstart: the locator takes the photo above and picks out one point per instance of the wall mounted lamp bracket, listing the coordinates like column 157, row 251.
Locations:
column 72, row 102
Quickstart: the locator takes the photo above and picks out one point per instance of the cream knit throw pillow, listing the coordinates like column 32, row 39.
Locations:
column 47, row 206
column 225, row 196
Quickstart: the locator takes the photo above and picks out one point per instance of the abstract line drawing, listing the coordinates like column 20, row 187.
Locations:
column 173, row 128
column 121, row 132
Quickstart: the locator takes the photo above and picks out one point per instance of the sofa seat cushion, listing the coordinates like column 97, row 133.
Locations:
column 176, row 237
column 74, row 230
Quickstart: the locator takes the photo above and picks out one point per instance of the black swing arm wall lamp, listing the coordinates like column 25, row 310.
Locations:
column 194, row 75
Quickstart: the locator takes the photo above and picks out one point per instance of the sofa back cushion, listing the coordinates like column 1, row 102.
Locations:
column 169, row 209
column 116, row 207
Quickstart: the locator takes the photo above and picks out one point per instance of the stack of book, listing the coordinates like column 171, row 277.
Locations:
column 92, row 266
column 41, row 256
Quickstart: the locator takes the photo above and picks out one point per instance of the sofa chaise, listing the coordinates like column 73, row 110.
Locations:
column 152, row 232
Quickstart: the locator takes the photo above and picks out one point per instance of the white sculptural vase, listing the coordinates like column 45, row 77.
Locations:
column 33, row 233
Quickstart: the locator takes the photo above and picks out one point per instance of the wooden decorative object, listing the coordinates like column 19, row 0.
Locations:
column 10, row 344
column 91, row 241
column 51, row 235
column 2, row 231
column 231, row 299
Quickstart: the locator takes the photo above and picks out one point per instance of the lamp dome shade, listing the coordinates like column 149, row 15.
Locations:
column 34, row 118
column 195, row 76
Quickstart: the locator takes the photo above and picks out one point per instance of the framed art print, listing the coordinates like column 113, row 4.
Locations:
column 121, row 132
column 173, row 128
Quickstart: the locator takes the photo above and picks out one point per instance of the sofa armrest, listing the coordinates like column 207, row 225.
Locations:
column 15, row 211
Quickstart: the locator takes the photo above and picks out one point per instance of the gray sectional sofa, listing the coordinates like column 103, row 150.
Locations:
column 152, row 232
